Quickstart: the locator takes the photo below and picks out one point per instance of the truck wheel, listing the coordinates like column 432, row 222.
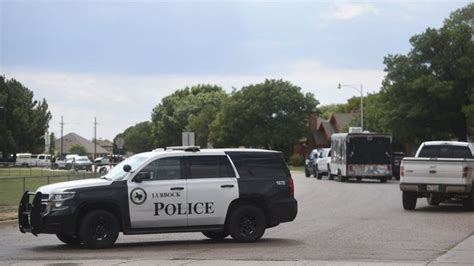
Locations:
column 99, row 229
column 383, row 179
column 69, row 239
column 330, row 176
column 316, row 173
column 359, row 179
column 469, row 202
column 103, row 170
column 409, row 200
column 216, row 235
column 306, row 172
column 247, row 223
column 341, row 178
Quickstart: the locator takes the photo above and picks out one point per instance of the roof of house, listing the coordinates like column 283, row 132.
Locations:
column 341, row 120
column 72, row 139
column 104, row 143
column 328, row 128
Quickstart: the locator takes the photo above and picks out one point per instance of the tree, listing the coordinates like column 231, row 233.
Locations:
column 190, row 109
column 138, row 138
column 24, row 120
column 273, row 114
column 78, row 149
column 428, row 93
column 52, row 143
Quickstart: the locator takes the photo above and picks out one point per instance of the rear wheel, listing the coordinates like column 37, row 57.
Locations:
column 99, row 229
column 316, row 173
column 247, row 223
column 306, row 172
column 341, row 177
column 216, row 235
column 69, row 239
column 330, row 176
column 469, row 202
column 409, row 200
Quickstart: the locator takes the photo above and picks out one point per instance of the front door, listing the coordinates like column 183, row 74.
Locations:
column 159, row 199
column 212, row 185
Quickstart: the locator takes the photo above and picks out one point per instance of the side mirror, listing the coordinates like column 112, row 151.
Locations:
column 127, row 168
column 141, row 176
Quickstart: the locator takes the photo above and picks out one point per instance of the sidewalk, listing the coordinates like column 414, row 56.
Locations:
column 462, row 254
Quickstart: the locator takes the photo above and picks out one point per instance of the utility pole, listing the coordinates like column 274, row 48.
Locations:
column 62, row 141
column 95, row 137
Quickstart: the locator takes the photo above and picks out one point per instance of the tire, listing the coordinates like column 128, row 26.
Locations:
column 103, row 170
column 469, row 202
column 69, row 240
column 359, row 179
column 432, row 200
column 247, row 223
column 99, row 229
column 383, row 179
column 316, row 173
column 306, row 173
column 330, row 176
column 341, row 178
column 216, row 235
column 409, row 200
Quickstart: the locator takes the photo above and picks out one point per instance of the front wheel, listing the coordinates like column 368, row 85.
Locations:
column 216, row 235
column 316, row 173
column 409, row 200
column 306, row 172
column 247, row 223
column 330, row 176
column 69, row 239
column 99, row 229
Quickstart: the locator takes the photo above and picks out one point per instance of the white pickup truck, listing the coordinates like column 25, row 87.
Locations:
column 440, row 171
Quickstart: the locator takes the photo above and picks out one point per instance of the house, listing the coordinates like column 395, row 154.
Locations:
column 106, row 144
column 321, row 131
column 71, row 139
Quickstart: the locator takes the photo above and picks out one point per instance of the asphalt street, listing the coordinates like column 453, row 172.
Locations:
column 361, row 222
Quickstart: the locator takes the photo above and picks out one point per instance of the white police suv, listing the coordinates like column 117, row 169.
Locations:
column 218, row 192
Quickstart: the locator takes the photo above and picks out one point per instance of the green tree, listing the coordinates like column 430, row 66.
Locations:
column 427, row 94
column 78, row 149
column 52, row 143
column 24, row 120
column 138, row 138
column 190, row 109
column 272, row 114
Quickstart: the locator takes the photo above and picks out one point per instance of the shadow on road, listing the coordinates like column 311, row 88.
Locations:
column 166, row 245
column 449, row 208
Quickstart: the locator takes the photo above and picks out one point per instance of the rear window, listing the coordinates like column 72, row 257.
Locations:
column 445, row 151
column 260, row 165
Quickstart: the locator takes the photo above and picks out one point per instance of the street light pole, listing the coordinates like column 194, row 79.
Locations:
column 361, row 90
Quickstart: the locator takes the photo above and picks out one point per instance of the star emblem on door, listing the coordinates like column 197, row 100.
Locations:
column 138, row 196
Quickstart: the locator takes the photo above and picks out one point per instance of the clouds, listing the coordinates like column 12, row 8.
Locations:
column 119, row 101
column 348, row 11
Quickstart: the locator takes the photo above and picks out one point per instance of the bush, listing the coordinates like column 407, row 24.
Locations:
column 296, row 160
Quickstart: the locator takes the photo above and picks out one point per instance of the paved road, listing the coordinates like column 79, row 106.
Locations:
column 337, row 222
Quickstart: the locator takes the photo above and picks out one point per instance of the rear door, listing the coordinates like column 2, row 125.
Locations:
column 211, row 187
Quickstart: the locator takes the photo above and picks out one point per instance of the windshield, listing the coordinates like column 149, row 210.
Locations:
column 117, row 173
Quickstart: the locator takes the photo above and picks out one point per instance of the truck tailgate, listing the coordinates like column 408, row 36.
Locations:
column 436, row 171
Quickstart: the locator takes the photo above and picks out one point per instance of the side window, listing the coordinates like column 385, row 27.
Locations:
column 209, row 167
column 162, row 169
column 203, row 167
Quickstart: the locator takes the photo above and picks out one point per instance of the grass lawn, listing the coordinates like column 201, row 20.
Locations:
column 296, row 168
column 11, row 188
column 30, row 171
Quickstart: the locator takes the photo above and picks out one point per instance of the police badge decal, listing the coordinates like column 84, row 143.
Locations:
column 138, row 196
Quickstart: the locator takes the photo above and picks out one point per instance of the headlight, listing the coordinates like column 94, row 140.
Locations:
column 57, row 200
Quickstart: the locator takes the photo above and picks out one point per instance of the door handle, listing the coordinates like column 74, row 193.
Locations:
column 432, row 172
column 177, row 188
column 223, row 186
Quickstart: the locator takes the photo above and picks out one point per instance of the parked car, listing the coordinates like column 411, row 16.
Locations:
column 322, row 163
column 30, row 160
column 81, row 163
column 309, row 163
column 440, row 171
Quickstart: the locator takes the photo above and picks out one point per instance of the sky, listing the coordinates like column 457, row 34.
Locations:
column 115, row 60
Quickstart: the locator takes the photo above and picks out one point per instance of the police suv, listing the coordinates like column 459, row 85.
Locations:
column 218, row 192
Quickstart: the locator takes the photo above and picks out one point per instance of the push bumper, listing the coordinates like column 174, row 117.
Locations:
column 34, row 218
